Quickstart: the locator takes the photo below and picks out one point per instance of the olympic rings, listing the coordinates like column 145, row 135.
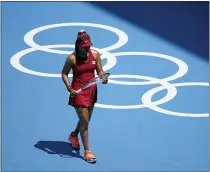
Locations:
column 111, row 62
column 146, row 99
column 28, row 38
column 183, row 68
column 170, row 94
column 15, row 60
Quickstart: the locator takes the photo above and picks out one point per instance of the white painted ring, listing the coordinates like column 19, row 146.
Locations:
column 182, row 68
column 29, row 37
column 147, row 100
column 15, row 61
column 170, row 94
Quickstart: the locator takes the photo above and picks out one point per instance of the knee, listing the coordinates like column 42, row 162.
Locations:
column 83, row 126
column 83, row 118
column 84, row 122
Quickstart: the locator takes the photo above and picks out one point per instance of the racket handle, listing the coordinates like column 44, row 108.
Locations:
column 78, row 91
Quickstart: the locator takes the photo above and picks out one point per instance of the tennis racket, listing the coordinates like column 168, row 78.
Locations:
column 100, row 78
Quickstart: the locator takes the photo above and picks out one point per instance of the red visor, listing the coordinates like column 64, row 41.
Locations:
column 86, row 43
column 84, row 39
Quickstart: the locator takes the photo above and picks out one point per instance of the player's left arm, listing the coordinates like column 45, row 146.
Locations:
column 99, row 68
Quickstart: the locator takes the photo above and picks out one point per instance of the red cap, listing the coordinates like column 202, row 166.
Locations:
column 83, row 39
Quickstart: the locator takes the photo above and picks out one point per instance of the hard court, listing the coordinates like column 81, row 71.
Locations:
column 151, row 116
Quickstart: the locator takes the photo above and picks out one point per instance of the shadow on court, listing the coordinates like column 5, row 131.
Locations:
column 63, row 149
column 183, row 23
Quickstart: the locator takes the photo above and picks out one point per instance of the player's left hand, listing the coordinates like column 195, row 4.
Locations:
column 105, row 81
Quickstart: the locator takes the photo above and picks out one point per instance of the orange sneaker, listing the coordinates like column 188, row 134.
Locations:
column 74, row 141
column 89, row 157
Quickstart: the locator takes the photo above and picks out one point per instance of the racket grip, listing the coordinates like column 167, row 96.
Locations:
column 78, row 91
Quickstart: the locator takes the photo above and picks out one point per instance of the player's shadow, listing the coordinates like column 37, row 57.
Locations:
column 63, row 149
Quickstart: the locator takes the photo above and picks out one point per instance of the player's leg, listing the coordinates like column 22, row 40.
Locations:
column 73, row 137
column 76, row 130
column 90, row 110
column 84, row 117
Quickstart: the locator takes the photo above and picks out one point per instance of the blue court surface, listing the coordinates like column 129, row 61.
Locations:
column 151, row 116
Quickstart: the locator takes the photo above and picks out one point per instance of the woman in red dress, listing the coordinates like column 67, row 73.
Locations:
column 83, row 61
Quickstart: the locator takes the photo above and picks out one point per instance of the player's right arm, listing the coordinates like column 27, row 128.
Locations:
column 66, row 69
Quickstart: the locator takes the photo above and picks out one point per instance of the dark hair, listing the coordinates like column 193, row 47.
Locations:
column 76, row 47
column 81, row 37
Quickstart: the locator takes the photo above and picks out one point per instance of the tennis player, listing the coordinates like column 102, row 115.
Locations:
column 83, row 62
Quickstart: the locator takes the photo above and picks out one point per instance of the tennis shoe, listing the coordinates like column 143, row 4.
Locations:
column 89, row 157
column 74, row 141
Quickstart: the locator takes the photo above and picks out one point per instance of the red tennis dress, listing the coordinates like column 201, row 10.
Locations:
column 83, row 72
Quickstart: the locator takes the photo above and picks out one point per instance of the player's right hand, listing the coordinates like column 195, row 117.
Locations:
column 72, row 91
